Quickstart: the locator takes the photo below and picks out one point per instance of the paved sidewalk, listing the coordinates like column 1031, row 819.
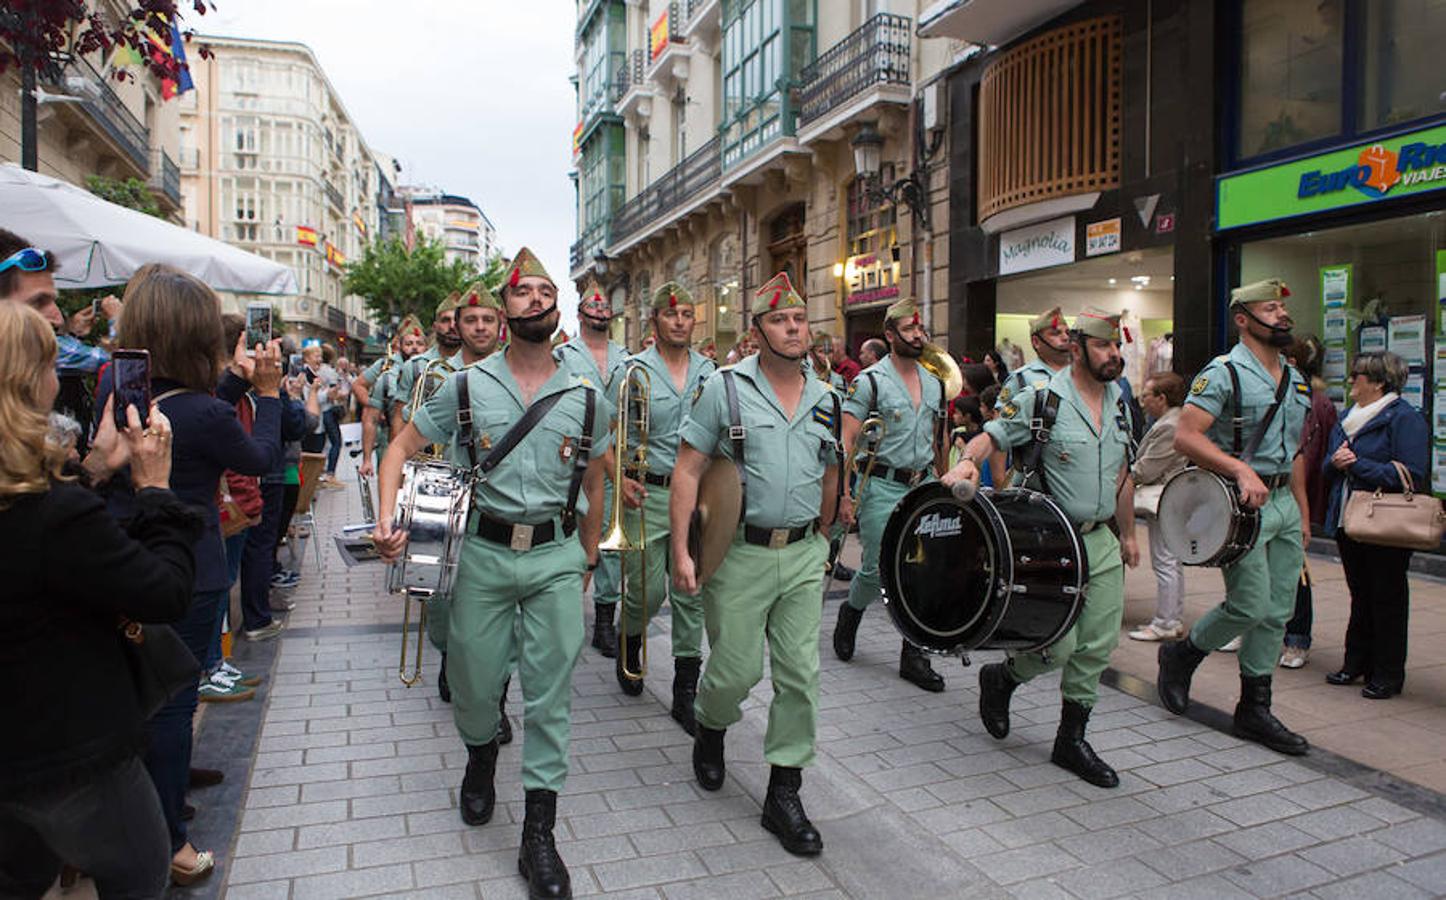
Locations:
column 354, row 779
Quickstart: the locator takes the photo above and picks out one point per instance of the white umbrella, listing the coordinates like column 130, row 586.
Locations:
column 99, row 243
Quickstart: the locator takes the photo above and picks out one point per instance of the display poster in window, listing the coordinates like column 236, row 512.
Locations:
column 1414, row 392
column 1441, row 287
column 1335, row 286
column 1333, row 366
column 1406, row 337
column 1438, row 468
column 1373, row 339
column 1439, row 423
column 1440, row 358
column 1333, row 328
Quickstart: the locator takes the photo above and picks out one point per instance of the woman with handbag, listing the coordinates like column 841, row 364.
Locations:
column 72, row 787
column 1156, row 461
column 1380, row 447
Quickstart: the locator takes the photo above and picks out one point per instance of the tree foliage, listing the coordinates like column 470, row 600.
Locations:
column 132, row 193
column 396, row 282
column 39, row 35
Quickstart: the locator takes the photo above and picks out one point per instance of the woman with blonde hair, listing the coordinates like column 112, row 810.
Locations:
column 72, row 787
column 177, row 318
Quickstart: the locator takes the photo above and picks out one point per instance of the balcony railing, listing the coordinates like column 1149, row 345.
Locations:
column 689, row 178
column 695, row 5
column 574, row 258
column 114, row 118
column 166, row 176
column 629, row 74
column 875, row 53
column 335, row 318
column 334, row 195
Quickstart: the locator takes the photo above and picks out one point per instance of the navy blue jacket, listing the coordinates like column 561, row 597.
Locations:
column 1400, row 433
column 293, row 420
column 208, row 440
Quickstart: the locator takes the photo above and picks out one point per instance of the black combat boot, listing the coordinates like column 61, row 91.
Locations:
column 846, row 631
column 1073, row 752
column 1178, row 662
column 914, row 668
column 538, row 861
column 478, row 794
column 631, row 656
column 708, row 757
column 444, row 690
column 685, row 690
column 784, row 816
column 504, row 726
column 995, row 689
column 604, row 633
column 1255, row 722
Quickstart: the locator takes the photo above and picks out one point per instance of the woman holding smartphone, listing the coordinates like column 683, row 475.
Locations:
column 177, row 319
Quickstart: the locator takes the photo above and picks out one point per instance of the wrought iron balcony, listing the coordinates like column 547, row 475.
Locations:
column 335, row 318
column 574, row 258
column 876, row 53
column 334, row 195
column 109, row 112
column 689, row 178
column 631, row 85
column 166, row 176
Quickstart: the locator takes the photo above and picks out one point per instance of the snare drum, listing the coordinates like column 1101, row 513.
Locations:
column 1006, row 571
column 432, row 508
column 1202, row 520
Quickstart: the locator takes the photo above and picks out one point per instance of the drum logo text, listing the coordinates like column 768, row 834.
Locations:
column 937, row 525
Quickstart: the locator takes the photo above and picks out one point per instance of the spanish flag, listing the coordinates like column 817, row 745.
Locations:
column 306, row 235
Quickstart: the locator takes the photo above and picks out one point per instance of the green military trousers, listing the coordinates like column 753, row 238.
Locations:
column 607, row 578
column 1084, row 651
column 1259, row 590
column 687, row 608
column 759, row 594
column 518, row 604
column 880, row 497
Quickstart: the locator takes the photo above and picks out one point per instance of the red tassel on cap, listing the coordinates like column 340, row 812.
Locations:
column 773, row 304
column 1129, row 338
column 672, row 300
column 516, row 275
column 916, row 318
column 1284, row 291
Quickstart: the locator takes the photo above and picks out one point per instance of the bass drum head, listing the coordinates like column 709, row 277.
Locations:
column 1196, row 515
column 939, row 563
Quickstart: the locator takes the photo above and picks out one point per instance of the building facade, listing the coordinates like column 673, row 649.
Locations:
column 91, row 124
column 272, row 162
column 715, row 146
column 458, row 223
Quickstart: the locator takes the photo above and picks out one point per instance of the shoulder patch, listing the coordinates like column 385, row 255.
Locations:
column 1199, row 386
column 1302, row 388
column 1009, row 411
column 1004, row 394
column 583, row 380
column 853, row 388
column 823, row 416
column 1039, row 385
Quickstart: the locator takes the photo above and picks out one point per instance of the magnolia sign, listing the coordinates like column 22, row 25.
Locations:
column 1037, row 246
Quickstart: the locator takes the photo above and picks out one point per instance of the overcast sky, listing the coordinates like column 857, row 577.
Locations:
column 470, row 96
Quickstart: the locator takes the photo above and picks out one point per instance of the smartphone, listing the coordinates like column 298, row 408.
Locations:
column 95, row 307
column 258, row 325
column 293, row 365
column 132, row 385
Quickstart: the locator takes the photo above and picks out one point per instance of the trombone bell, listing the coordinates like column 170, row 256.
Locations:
column 629, row 452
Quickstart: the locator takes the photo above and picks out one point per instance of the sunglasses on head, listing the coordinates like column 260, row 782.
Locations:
column 27, row 260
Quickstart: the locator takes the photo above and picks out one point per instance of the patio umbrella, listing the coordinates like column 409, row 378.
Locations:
column 99, row 243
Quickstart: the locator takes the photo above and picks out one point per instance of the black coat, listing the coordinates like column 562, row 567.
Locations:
column 67, row 572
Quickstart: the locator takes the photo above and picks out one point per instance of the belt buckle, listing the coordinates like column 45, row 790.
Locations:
column 521, row 537
column 915, row 477
column 778, row 538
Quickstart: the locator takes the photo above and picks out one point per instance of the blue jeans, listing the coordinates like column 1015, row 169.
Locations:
column 168, row 754
column 331, row 421
column 109, row 826
column 235, row 545
column 257, row 558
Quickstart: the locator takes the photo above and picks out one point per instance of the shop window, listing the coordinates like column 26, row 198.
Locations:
column 872, row 222
column 1399, row 71
column 765, row 44
column 1290, row 73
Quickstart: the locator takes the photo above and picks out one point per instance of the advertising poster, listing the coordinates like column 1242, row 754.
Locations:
column 1333, row 367
column 1406, row 337
column 1333, row 328
column 1335, row 286
column 1373, row 339
column 1438, row 468
column 1414, row 392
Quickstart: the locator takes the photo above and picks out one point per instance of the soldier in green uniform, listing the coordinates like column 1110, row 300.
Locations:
column 1049, row 336
column 1260, row 586
column 445, row 343
column 818, row 357
column 593, row 356
column 530, row 537
column 1083, row 463
column 911, row 403
column 767, row 587
column 382, row 397
column 709, row 348
column 675, row 378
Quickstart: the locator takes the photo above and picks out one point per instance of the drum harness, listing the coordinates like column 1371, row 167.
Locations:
column 941, row 419
column 1237, row 422
column 478, row 473
column 1032, row 458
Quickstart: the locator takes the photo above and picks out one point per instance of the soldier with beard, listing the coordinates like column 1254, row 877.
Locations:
column 528, row 543
column 592, row 355
column 1260, row 586
column 1079, row 427
column 445, row 343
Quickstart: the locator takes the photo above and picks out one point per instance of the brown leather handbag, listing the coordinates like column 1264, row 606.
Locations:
column 1407, row 520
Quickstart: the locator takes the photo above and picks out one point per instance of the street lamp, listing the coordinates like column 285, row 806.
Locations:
column 600, row 260
column 868, row 147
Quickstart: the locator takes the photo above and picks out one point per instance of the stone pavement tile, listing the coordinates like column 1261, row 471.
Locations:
column 1033, row 776
column 594, row 850
column 301, row 741
column 738, row 886
column 1385, row 810
column 264, row 890
column 632, row 873
column 1206, row 887
column 1186, row 826
column 286, row 865
column 1427, row 873
column 1321, row 793
column 1353, row 856
column 445, row 820
column 1374, row 886
column 1172, row 749
column 357, row 751
column 649, row 795
column 1336, row 822
column 281, row 795
column 407, row 849
column 301, row 814
column 1035, row 829
column 297, row 775
column 1190, row 795
column 442, row 892
column 757, row 854
column 1255, row 810
column 1041, row 799
column 1280, row 875
column 627, row 822
column 673, row 839
column 980, row 763
column 722, row 809
column 1025, row 863
column 1263, row 841
column 255, row 843
column 970, row 788
column 1416, row 838
column 1176, row 772
column 399, row 804
column 472, row 867
column 913, row 799
column 1186, row 861
column 799, row 877
column 352, row 832
column 440, row 780
column 397, row 765
column 960, row 816
column 972, row 842
column 1244, row 782
column 909, row 776
column 1112, row 879
column 354, row 883
column 1107, row 813
column 1040, row 889
column 1245, row 756
column 1097, row 847
column 624, row 759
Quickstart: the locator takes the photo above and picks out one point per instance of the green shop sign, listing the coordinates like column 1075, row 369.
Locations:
column 1395, row 167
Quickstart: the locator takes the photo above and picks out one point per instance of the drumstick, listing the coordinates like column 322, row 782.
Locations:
column 964, row 490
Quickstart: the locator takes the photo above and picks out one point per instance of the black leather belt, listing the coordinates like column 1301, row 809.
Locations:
column 520, row 537
column 1275, row 481
column 1087, row 527
column 775, row 538
column 909, row 477
column 652, row 478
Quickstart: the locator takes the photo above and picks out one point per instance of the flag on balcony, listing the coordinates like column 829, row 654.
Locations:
column 306, row 235
column 658, row 36
column 172, row 47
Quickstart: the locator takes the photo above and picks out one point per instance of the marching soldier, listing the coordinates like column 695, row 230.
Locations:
column 676, row 375
column 910, row 401
column 1073, row 435
column 1272, row 400
column 779, row 427
column 1049, row 335
column 819, row 355
column 382, row 396
column 709, row 348
column 541, row 434
column 445, row 343
column 593, row 356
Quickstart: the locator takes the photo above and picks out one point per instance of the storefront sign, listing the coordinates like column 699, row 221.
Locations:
column 1037, row 246
column 869, row 279
column 1367, row 173
column 1102, row 237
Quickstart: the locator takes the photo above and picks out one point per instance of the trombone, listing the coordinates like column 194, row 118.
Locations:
column 430, row 380
column 633, row 404
column 871, row 434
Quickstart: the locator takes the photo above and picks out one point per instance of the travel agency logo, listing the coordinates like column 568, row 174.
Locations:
column 1378, row 170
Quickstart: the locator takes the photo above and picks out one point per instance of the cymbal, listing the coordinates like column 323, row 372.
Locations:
column 716, row 518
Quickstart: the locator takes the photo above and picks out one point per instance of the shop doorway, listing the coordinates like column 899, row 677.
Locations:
column 788, row 247
column 862, row 325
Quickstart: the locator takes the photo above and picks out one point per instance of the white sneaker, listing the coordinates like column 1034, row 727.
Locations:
column 1294, row 657
column 1152, row 632
column 1232, row 646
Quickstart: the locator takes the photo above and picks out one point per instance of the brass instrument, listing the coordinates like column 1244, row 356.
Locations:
column 428, row 382
column 822, row 367
column 634, row 396
column 871, row 432
column 937, row 362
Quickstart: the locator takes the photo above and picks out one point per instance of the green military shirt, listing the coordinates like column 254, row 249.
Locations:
column 785, row 458
column 1032, row 375
column 836, row 381
column 531, row 484
column 667, row 405
column 1081, row 463
column 1212, row 391
column 407, row 375
column 577, row 359
column 370, row 373
column 382, row 392
column 908, row 441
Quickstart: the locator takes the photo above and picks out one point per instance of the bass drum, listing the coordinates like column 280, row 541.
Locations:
column 432, row 507
column 1005, row 571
